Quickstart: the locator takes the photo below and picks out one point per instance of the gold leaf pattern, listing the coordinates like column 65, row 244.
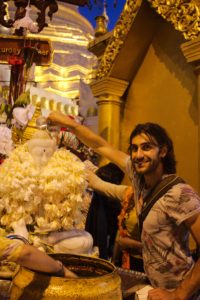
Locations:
column 183, row 14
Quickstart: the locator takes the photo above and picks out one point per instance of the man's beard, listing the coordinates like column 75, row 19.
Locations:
column 150, row 168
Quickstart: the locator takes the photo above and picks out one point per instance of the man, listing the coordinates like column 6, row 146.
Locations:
column 167, row 261
column 30, row 257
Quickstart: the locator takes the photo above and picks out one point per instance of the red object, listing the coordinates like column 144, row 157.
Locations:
column 63, row 129
column 15, row 60
column 66, row 128
column 71, row 117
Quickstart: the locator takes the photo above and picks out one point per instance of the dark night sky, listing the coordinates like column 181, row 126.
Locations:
column 97, row 10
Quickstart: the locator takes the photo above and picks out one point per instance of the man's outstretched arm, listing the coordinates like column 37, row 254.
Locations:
column 30, row 257
column 91, row 139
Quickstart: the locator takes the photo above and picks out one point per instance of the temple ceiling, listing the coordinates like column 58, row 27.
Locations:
column 184, row 15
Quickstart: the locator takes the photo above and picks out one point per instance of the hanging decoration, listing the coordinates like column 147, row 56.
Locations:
column 21, row 66
column 26, row 22
column 21, row 62
column 42, row 7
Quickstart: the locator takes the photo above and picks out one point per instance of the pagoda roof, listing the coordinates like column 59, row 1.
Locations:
column 135, row 30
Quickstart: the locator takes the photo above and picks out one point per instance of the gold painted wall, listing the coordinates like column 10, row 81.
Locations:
column 164, row 91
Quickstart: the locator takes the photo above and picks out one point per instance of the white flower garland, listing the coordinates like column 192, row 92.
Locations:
column 6, row 144
column 49, row 198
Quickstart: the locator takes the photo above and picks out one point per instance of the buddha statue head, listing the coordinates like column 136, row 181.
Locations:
column 41, row 147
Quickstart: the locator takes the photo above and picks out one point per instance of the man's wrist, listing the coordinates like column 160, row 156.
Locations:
column 61, row 270
column 74, row 125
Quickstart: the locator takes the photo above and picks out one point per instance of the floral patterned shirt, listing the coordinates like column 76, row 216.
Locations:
column 166, row 255
column 10, row 249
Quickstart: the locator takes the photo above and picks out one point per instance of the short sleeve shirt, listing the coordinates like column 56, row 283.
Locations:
column 166, row 256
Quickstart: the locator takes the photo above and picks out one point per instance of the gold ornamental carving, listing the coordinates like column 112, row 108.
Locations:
column 119, row 34
column 183, row 14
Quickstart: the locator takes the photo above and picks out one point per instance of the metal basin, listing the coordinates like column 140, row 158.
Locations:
column 98, row 279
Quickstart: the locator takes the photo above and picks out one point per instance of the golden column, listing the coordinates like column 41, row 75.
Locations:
column 191, row 51
column 109, row 92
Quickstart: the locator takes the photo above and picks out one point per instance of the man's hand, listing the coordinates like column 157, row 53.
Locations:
column 69, row 274
column 126, row 243
column 91, row 179
column 160, row 294
column 61, row 119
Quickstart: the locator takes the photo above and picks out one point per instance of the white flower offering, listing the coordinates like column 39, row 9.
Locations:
column 43, row 186
column 6, row 143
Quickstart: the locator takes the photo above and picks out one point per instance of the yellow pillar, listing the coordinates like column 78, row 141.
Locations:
column 109, row 118
column 109, row 92
column 191, row 51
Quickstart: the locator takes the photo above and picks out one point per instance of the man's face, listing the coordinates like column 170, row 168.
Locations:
column 145, row 154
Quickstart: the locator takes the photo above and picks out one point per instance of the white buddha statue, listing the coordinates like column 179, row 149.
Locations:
column 76, row 241
column 41, row 147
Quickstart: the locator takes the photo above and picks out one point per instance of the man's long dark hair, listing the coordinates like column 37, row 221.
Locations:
column 160, row 135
